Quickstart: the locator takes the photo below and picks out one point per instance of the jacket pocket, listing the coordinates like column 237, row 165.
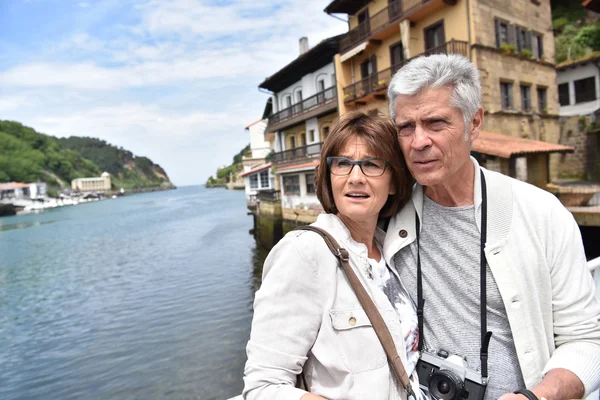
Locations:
column 359, row 345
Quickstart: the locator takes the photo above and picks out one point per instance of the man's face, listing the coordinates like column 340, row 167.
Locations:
column 432, row 136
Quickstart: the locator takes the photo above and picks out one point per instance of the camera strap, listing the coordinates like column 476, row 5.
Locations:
column 485, row 335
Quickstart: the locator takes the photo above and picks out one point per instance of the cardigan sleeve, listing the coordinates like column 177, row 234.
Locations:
column 288, row 310
column 576, row 309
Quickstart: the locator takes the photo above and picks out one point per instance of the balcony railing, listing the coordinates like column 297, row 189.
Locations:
column 268, row 195
column 377, row 22
column 297, row 153
column 306, row 105
column 378, row 81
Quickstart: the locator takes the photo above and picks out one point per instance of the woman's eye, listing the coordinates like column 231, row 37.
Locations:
column 343, row 163
column 371, row 164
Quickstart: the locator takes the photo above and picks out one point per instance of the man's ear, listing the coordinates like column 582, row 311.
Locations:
column 476, row 125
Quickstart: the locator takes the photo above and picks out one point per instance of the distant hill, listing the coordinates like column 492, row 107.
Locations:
column 30, row 156
column 224, row 173
column 127, row 170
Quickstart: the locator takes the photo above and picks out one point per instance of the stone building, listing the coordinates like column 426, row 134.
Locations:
column 97, row 184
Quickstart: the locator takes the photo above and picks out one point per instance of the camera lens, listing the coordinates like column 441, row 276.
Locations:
column 445, row 385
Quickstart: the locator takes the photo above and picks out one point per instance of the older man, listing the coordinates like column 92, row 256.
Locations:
column 481, row 252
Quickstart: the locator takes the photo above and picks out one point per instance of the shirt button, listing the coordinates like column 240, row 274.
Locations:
column 403, row 233
column 352, row 321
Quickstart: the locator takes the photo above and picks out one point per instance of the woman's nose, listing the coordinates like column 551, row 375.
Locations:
column 356, row 175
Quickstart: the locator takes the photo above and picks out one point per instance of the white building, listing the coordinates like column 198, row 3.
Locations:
column 96, row 184
column 257, row 172
column 579, row 86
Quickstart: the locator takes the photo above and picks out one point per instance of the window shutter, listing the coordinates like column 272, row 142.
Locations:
column 497, row 23
column 528, row 40
column 512, row 34
column 540, row 43
column 534, row 47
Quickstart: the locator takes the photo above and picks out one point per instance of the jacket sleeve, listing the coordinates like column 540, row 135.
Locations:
column 288, row 310
column 576, row 309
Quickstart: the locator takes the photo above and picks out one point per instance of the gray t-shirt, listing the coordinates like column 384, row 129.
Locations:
column 450, row 265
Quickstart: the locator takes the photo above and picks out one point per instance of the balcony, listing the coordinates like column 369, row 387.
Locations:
column 313, row 106
column 298, row 153
column 380, row 24
column 375, row 85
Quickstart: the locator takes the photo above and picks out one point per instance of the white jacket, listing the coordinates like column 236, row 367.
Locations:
column 536, row 255
column 302, row 317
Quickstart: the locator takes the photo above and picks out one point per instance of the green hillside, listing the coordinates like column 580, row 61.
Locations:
column 30, row 156
column 576, row 30
column 224, row 173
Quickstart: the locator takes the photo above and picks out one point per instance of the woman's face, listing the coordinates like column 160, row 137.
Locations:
column 357, row 197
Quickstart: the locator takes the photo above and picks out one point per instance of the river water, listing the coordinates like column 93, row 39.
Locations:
column 140, row 297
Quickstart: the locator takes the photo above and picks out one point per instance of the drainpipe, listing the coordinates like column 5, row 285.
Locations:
column 469, row 29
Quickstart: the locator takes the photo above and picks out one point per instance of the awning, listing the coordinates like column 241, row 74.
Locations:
column 351, row 53
column 505, row 146
column 256, row 170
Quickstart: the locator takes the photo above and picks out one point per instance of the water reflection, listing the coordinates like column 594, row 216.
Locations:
column 24, row 225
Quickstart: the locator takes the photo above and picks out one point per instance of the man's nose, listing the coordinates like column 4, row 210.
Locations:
column 421, row 139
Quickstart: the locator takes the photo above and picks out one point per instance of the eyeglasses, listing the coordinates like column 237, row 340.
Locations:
column 368, row 166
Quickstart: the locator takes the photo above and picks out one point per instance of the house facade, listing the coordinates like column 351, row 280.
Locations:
column 257, row 173
column 303, row 107
column 96, row 184
column 579, row 98
column 511, row 44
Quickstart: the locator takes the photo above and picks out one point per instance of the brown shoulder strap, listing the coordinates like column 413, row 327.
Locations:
column 373, row 314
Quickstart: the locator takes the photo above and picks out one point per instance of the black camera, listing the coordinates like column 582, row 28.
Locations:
column 449, row 378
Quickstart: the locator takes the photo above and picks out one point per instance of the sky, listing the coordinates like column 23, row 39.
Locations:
column 172, row 80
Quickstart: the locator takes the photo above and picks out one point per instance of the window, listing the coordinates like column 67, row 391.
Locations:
column 299, row 96
column 538, row 45
column 310, row 183
column 563, row 94
column 312, row 135
column 523, row 39
column 320, row 85
column 325, row 131
column 585, row 90
column 434, row 36
column 501, row 33
column 291, row 184
column 525, row 98
column 396, row 56
column 506, row 95
column 264, row 179
column 288, row 101
column 542, row 102
column 254, row 181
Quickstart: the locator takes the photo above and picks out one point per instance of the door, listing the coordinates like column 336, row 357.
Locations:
column 434, row 38
column 368, row 74
column 396, row 56
column 394, row 9
column 363, row 23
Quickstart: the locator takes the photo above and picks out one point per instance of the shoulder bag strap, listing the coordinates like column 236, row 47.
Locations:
column 373, row 314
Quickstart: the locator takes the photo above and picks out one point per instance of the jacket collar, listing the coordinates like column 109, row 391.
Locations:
column 402, row 230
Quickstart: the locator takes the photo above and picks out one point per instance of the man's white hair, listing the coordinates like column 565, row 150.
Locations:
column 436, row 71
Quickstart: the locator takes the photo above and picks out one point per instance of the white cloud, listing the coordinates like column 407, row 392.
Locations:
column 178, row 84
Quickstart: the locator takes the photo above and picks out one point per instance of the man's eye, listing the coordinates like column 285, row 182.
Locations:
column 437, row 124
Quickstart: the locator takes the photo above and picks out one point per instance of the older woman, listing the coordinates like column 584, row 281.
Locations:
column 307, row 318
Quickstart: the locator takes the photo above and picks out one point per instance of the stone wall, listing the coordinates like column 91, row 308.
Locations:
column 583, row 163
column 300, row 216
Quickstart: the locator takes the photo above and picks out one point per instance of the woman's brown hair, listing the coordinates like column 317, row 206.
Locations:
column 380, row 135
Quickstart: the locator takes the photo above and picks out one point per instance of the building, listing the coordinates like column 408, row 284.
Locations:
column 257, row 172
column 99, row 184
column 12, row 191
column 511, row 43
column 302, row 108
column 579, row 98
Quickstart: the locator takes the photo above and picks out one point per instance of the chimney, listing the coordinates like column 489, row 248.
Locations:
column 303, row 45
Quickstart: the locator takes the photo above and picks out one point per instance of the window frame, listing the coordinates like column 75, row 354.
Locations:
column 567, row 94
column 310, row 183
column 509, row 106
column 525, row 91
column 589, row 92
column 542, row 100
column 264, row 177
column 294, row 184
column 253, row 181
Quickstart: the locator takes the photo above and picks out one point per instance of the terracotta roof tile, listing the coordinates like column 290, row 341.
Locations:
column 504, row 146
column 298, row 166
column 260, row 168
column 571, row 63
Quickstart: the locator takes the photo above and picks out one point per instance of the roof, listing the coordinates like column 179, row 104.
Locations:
column 256, row 170
column 13, row 185
column 254, row 123
column 504, row 146
column 345, row 6
column 592, row 5
column 573, row 63
column 315, row 58
column 295, row 167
